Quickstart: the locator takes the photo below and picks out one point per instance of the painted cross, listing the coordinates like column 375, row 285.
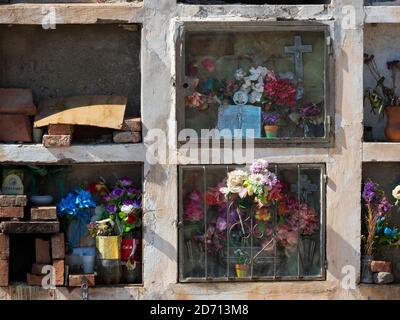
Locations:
column 297, row 50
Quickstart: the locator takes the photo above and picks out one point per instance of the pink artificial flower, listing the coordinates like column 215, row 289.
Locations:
column 196, row 101
column 193, row 208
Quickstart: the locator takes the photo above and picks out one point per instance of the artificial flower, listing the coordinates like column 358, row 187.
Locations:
column 208, row 64
column 263, row 215
column 239, row 74
column 396, row 194
column 125, row 182
column 234, row 182
column 282, row 92
column 193, row 207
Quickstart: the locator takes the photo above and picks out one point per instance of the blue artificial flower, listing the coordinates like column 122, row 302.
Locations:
column 73, row 203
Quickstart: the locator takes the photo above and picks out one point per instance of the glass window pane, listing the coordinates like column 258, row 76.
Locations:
column 269, row 82
column 225, row 239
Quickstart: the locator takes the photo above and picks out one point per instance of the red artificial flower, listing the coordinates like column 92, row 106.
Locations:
column 208, row 64
column 98, row 188
column 282, row 92
column 131, row 218
column 196, row 101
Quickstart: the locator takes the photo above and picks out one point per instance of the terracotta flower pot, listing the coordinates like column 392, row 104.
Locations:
column 241, row 270
column 392, row 129
column 271, row 131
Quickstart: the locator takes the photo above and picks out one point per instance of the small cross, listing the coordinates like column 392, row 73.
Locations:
column 297, row 50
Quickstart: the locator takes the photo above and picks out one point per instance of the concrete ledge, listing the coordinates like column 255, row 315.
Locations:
column 381, row 151
column 382, row 14
column 37, row 153
column 88, row 13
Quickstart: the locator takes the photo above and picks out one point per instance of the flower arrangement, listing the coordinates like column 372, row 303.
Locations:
column 381, row 96
column 75, row 204
column 378, row 208
column 271, row 119
column 119, row 210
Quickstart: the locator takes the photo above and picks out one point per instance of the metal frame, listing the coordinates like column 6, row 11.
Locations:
column 182, row 28
column 322, row 237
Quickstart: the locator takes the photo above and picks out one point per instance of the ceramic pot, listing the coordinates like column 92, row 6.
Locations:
column 392, row 129
column 271, row 132
column 241, row 270
column 366, row 273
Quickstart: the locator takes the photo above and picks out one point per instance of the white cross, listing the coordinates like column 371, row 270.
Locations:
column 297, row 50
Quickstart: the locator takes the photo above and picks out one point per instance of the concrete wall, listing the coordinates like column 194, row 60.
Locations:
column 343, row 161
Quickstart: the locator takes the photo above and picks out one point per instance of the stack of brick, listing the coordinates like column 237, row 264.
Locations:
column 382, row 271
column 130, row 133
column 50, row 255
column 59, row 135
column 16, row 105
column 4, row 258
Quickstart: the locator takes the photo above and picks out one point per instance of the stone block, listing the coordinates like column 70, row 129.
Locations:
column 58, row 246
column 56, row 141
column 59, row 272
column 3, row 273
column 383, row 277
column 12, row 212
column 44, row 213
column 15, row 128
column 60, row 129
column 126, row 137
column 4, row 247
column 13, row 200
column 132, row 124
column 381, row 266
column 17, row 101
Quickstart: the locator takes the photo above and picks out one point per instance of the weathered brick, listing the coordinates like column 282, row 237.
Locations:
column 42, row 248
column 126, row 137
column 58, row 246
column 37, row 268
column 60, row 129
column 381, row 266
column 17, row 101
column 34, row 279
column 13, row 201
column 4, row 247
column 44, row 213
column 132, row 124
column 76, row 280
column 383, row 277
column 12, row 212
column 54, row 141
column 59, row 272
column 15, row 128
column 3, row 273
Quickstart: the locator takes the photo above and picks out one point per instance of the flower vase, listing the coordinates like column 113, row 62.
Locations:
column 271, row 132
column 131, row 260
column 392, row 129
column 307, row 248
column 108, row 264
column 366, row 273
column 241, row 270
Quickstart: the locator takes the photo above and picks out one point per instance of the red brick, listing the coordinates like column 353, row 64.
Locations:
column 3, row 273
column 15, row 128
column 44, row 213
column 13, row 200
column 381, row 266
column 59, row 272
column 54, row 141
column 4, row 247
column 17, row 101
column 34, row 279
column 132, row 124
column 37, row 268
column 42, row 248
column 76, row 280
column 60, row 129
column 57, row 246
column 12, row 212
column 126, row 137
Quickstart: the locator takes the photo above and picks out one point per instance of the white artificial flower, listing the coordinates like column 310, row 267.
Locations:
column 396, row 193
column 257, row 179
column 235, row 181
column 263, row 71
column 247, row 82
column 245, row 88
column 254, row 74
column 239, row 74
column 127, row 209
column 259, row 87
column 255, row 97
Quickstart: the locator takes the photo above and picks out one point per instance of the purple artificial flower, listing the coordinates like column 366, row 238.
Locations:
column 137, row 204
column 125, row 182
column 310, row 111
column 369, row 192
column 132, row 191
column 260, row 166
column 384, row 206
column 270, row 118
column 107, row 198
column 128, row 202
column 221, row 224
column 111, row 208
column 117, row 192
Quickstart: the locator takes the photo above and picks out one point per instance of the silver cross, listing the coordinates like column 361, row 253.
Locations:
column 297, row 50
